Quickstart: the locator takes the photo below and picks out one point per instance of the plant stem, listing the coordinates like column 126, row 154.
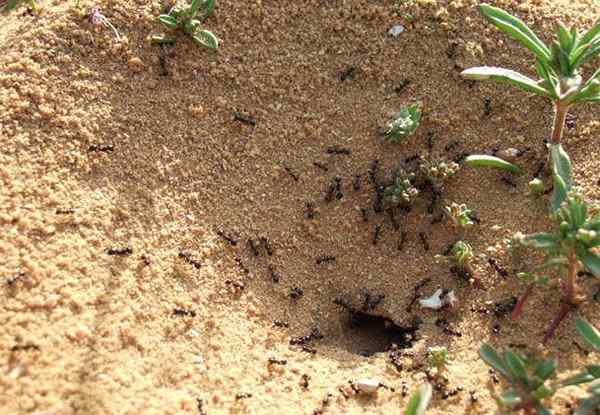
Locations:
column 518, row 310
column 565, row 308
column 560, row 116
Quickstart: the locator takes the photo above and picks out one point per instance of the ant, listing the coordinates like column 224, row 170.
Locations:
column 348, row 74
column 296, row 292
column 274, row 274
column 105, row 148
column 246, row 119
column 229, row 238
column 120, row 251
column 291, row 173
column 487, row 103
column 424, row 241
column 253, row 247
column 187, row 257
column 327, row 258
column 402, row 240
column 310, row 210
column 376, row 234
column 267, row 245
column 242, row 266
column 321, row 166
column 356, row 183
column 336, row 150
column 68, row 211
column 403, row 84
column 182, row 312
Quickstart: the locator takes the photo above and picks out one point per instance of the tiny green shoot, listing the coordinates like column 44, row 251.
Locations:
column 479, row 160
column 437, row 357
column 419, row 401
column 183, row 17
column 459, row 214
column 404, row 123
column 462, row 253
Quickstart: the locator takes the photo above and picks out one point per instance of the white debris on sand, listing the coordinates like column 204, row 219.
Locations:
column 396, row 30
column 367, row 386
column 439, row 299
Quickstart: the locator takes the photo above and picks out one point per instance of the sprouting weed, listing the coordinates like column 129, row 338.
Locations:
column 527, row 377
column 404, row 123
column 572, row 245
column 98, row 19
column 463, row 254
column 183, row 17
column 437, row 171
column 536, row 186
column 419, row 400
column 437, row 357
column 460, row 215
column 402, row 192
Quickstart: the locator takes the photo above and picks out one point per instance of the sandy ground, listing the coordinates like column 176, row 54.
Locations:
column 101, row 150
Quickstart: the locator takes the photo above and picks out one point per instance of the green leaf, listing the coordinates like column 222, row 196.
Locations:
column 10, row 4
column 594, row 370
column 545, row 368
column 510, row 398
column 566, row 41
column 517, row 29
column 580, row 378
column 404, row 123
column 561, row 169
column 162, row 40
column 501, row 75
column 589, row 333
column 491, row 357
column 168, row 21
column 591, row 34
column 206, row 39
column 480, row 160
column 542, row 410
column 540, row 240
column 516, row 366
column 419, row 400
column 591, row 262
column 588, row 405
column 543, row 392
column 194, row 7
column 208, row 6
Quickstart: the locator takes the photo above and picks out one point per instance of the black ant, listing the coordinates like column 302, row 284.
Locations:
column 68, row 211
column 188, row 258
column 451, row 146
column 241, row 264
column 291, row 173
column 267, row 245
column 417, row 293
column 246, row 119
column 424, row 240
column 229, row 238
column 430, row 135
column 487, row 103
column 348, row 74
column 182, row 312
column 120, row 251
column 12, row 280
column 501, row 271
column 274, row 274
column 105, row 148
column 356, row 183
column 253, row 247
column 310, row 210
column 281, row 324
column 315, row 334
column 336, row 150
column 412, row 158
column 296, row 292
column 25, row 347
column 403, row 84
column 162, row 61
column 508, row 181
column 242, row 395
column 327, row 258
column 274, row 361
column 321, row 166
column 376, row 234
column 378, row 202
column 304, row 381
column 373, row 170
column 395, row 223
column 402, row 240
column 364, row 213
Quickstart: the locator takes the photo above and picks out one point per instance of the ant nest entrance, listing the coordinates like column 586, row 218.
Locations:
column 365, row 333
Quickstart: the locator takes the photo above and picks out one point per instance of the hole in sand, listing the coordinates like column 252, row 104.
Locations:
column 367, row 334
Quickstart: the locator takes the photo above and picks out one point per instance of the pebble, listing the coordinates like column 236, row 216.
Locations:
column 396, row 30
column 367, row 386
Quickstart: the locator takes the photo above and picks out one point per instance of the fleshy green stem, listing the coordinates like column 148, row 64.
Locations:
column 560, row 116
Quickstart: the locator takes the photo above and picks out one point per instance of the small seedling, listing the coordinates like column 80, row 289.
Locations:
column 460, row 215
column 437, row 171
column 479, row 160
column 402, row 192
column 437, row 357
column 98, row 19
column 419, row 401
column 536, row 186
column 573, row 245
column 527, row 377
column 404, row 123
column 558, row 68
column 462, row 253
column 183, row 17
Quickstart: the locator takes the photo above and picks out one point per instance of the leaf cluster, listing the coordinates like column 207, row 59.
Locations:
column 404, row 123
column 402, row 192
column 530, row 378
column 462, row 253
column 557, row 66
column 459, row 214
column 184, row 18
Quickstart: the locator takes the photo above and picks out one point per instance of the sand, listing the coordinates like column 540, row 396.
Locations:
column 129, row 149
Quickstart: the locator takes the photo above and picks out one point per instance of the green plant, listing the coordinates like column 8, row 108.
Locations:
column 437, row 357
column 480, row 160
column 419, row 400
column 591, row 374
column 402, row 192
column 183, row 17
column 404, row 123
column 572, row 245
column 437, row 171
column 527, row 377
column 462, row 253
column 7, row 5
column 558, row 68
column 460, row 215
column 536, row 186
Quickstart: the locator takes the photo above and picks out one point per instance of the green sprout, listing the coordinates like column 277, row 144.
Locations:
column 183, row 17
column 536, row 186
column 591, row 374
column 404, row 123
column 463, row 254
column 573, row 245
column 7, row 5
column 437, row 171
column 460, row 215
column 481, row 160
column 402, row 192
column 558, row 68
column 437, row 357
column 419, row 400
column 527, row 377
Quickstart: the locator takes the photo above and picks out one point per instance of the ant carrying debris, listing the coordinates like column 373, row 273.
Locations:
column 417, row 293
column 315, row 334
column 120, row 251
column 188, row 258
column 243, row 118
